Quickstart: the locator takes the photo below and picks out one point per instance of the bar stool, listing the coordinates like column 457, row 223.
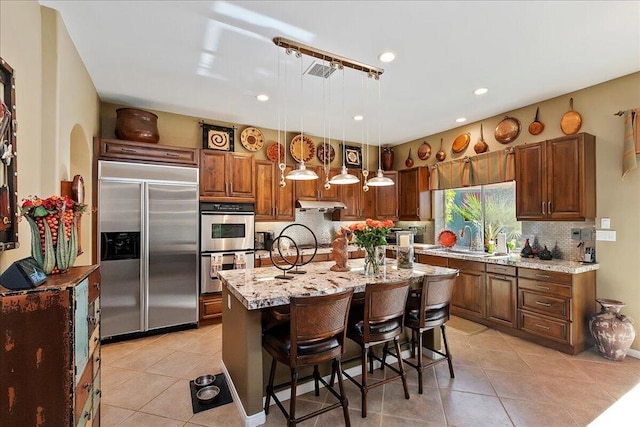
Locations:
column 428, row 308
column 315, row 334
column 378, row 320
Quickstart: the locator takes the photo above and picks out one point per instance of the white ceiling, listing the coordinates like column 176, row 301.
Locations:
column 210, row 58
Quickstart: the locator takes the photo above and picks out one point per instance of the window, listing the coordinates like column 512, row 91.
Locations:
column 484, row 211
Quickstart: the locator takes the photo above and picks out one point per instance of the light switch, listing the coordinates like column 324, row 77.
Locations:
column 605, row 223
column 606, row 235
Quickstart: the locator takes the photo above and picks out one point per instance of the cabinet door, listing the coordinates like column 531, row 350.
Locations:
column 531, row 190
column 501, row 299
column 409, row 204
column 350, row 195
column 285, row 202
column 213, row 178
column 468, row 294
column 308, row 190
column 332, row 193
column 367, row 203
column 81, row 327
column 241, row 175
column 565, row 179
column 265, row 190
column 387, row 198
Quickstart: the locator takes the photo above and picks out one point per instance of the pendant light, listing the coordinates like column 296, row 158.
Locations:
column 302, row 173
column 282, row 165
column 344, row 177
column 380, row 180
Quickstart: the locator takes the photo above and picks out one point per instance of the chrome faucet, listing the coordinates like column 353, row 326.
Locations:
column 470, row 235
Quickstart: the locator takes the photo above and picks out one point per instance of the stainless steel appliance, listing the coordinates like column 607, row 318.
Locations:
column 226, row 230
column 264, row 239
column 148, row 225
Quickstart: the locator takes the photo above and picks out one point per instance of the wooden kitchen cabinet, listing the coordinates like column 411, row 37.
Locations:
column 226, row 176
column 210, row 308
column 501, row 291
column 142, row 152
column 314, row 189
column 273, row 203
column 359, row 204
column 50, row 363
column 555, row 179
column 555, row 308
column 387, row 198
column 468, row 297
column 412, row 182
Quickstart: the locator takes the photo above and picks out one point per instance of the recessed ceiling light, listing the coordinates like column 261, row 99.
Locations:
column 387, row 56
column 461, row 119
column 358, row 118
column 481, row 91
column 262, row 97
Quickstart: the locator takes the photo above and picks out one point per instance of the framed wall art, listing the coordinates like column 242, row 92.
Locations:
column 217, row 137
column 353, row 156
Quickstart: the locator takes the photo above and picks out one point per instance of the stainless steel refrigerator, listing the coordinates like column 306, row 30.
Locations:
column 148, row 228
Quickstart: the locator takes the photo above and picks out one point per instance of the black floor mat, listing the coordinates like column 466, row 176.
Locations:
column 223, row 398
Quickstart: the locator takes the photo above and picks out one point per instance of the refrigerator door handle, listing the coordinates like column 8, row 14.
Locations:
column 144, row 288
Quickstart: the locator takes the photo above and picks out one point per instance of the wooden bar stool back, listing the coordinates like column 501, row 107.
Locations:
column 315, row 334
column 379, row 320
column 427, row 309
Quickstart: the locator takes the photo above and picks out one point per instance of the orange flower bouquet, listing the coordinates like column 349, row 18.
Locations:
column 370, row 235
column 54, row 231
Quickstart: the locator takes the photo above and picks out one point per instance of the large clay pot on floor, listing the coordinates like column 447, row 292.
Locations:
column 137, row 125
column 613, row 332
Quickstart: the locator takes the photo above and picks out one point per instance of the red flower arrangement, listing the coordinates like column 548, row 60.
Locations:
column 371, row 233
column 54, row 230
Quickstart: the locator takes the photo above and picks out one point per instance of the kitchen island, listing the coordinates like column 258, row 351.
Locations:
column 246, row 293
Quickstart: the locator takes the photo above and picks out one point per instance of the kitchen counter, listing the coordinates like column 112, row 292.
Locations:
column 258, row 288
column 245, row 295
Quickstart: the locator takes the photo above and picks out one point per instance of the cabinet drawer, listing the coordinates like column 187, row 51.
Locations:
column 94, row 341
column 96, row 394
column 210, row 306
column 94, row 285
column 545, row 287
column 544, row 304
column 549, row 276
column 507, row 270
column 83, row 389
column 127, row 150
column 96, row 361
column 548, row 328
column 462, row 264
column 438, row 261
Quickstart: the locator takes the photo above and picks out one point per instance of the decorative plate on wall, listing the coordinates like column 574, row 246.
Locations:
column 272, row 152
column 322, row 156
column 461, row 143
column 302, row 148
column 252, row 139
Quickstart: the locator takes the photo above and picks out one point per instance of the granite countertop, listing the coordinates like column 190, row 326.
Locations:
column 264, row 254
column 561, row 266
column 258, row 288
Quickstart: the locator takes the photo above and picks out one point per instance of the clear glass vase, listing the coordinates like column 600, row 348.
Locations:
column 371, row 264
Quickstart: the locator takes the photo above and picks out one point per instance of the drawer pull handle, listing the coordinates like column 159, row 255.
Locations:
column 544, row 276
column 87, row 415
column 543, row 327
column 546, row 304
column 500, row 277
column 97, row 359
column 95, row 339
column 129, row 150
column 499, row 268
column 542, row 287
column 173, row 154
column 98, row 392
column 86, row 385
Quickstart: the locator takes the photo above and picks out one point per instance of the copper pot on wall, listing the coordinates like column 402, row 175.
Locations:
column 137, row 125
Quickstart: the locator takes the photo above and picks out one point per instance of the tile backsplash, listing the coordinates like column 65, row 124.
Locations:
column 321, row 224
column 550, row 232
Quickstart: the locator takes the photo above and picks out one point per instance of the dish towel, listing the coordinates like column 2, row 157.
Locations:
column 631, row 141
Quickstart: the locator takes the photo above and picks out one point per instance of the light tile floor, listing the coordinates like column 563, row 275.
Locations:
column 500, row 380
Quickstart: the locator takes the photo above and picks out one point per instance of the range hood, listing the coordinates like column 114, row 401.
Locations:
column 321, row 206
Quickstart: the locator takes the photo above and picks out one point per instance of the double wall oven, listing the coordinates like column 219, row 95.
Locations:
column 227, row 233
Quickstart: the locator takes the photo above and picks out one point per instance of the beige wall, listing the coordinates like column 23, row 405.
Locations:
column 185, row 131
column 619, row 274
column 56, row 103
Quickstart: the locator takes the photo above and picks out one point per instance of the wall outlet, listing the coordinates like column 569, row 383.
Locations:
column 575, row 234
column 605, row 223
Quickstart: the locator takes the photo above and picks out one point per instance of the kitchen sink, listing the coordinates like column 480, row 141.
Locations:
column 465, row 252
